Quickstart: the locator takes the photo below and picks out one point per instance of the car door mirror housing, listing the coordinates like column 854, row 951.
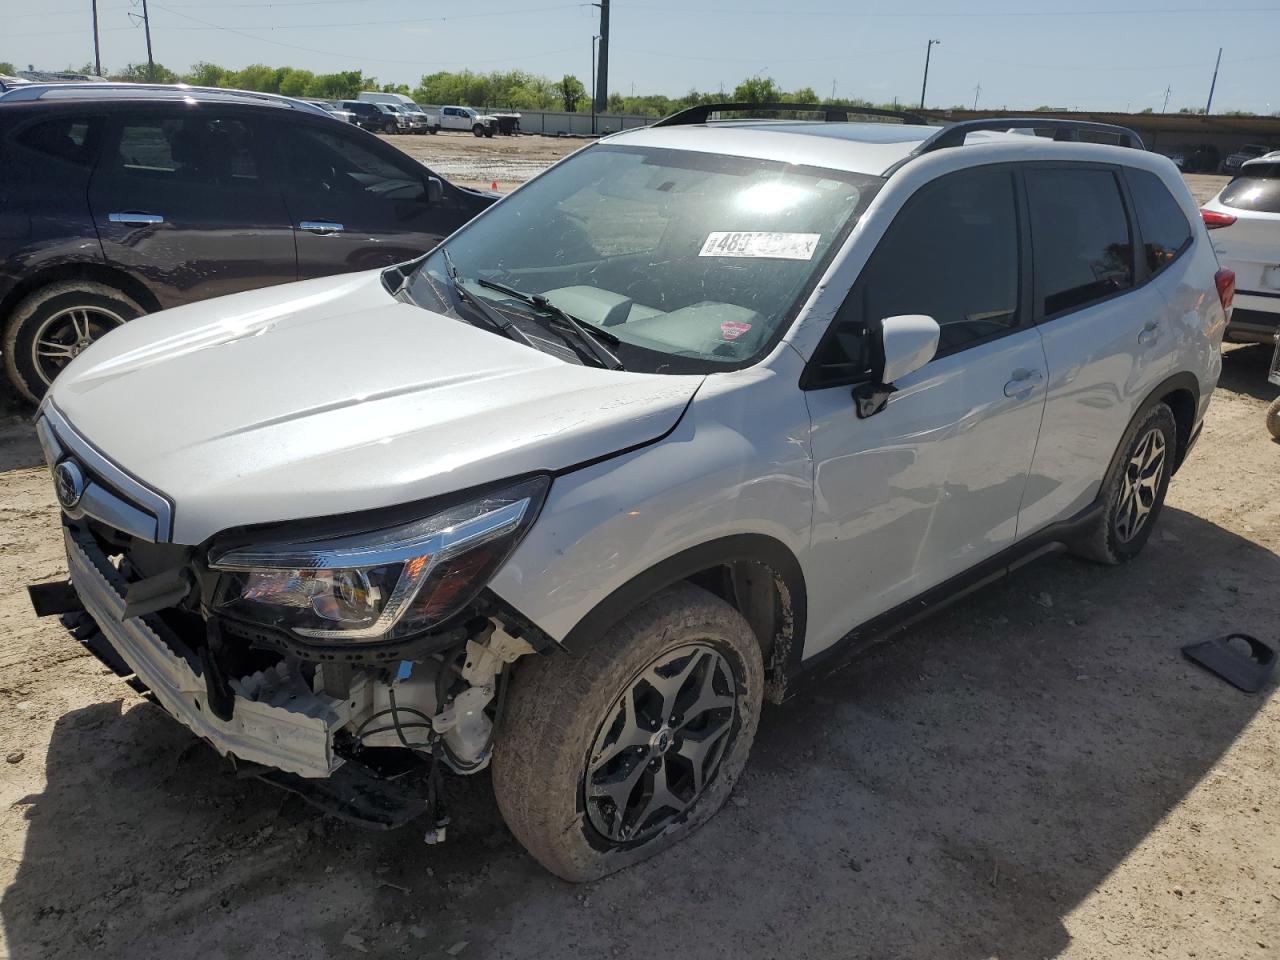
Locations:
column 907, row 343
column 435, row 190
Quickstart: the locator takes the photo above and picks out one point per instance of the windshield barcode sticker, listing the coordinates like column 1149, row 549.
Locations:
column 775, row 246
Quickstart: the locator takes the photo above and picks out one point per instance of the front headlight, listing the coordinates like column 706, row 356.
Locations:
column 381, row 585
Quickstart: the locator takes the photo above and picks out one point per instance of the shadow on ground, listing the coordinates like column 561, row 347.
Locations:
column 954, row 794
column 1244, row 371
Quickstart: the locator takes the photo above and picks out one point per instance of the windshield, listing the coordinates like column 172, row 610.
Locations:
column 694, row 262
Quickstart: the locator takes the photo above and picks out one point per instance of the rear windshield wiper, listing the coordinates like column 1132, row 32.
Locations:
column 589, row 336
column 492, row 316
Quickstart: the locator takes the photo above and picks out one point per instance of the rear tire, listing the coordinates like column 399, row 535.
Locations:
column 53, row 325
column 488, row 131
column 1273, row 418
column 577, row 738
column 1133, row 490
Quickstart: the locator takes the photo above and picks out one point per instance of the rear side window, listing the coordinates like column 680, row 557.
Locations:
column 70, row 139
column 1165, row 231
column 1080, row 234
column 1257, row 188
column 188, row 149
column 951, row 254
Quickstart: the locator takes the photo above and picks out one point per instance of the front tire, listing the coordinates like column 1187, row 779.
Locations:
column 1273, row 418
column 608, row 758
column 53, row 325
column 1134, row 490
column 478, row 130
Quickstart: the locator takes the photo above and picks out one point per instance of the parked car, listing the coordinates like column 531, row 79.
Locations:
column 1232, row 164
column 422, row 119
column 115, row 204
column 332, row 108
column 699, row 412
column 1245, row 220
column 374, row 117
column 465, row 118
column 1202, row 159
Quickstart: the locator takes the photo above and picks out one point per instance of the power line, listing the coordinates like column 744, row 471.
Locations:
column 349, row 55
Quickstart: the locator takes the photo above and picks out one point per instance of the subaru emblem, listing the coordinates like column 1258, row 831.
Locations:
column 68, row 483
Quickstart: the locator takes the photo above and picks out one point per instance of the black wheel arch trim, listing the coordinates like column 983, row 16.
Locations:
column 749, row 547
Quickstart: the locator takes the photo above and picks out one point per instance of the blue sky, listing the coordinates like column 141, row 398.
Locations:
column 1097, row 54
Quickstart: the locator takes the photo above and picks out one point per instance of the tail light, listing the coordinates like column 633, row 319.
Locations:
column 1225, row 280
column 1213, row 220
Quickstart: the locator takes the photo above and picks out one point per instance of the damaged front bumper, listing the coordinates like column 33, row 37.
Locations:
column 277, row 721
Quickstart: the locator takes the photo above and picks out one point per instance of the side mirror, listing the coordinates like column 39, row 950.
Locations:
column 907, row 343
column 435, row 190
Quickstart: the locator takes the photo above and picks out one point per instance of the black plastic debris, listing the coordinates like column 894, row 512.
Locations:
column 1241, row 660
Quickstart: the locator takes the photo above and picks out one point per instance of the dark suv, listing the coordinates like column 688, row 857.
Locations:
column 115, row 202
column 374, row 117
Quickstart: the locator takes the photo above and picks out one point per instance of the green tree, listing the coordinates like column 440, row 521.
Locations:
column 336, row 86
column 206, row 74
column 256, row 76
column 138, row 73
column 7, row 67
column 295, row 83
column 571, row 92
column 757, row 89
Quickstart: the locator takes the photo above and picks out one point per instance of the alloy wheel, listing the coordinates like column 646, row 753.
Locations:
column 660, row 744
column 64, row 335
column 1140, row 485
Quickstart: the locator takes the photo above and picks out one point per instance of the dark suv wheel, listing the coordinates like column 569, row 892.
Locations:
column 53, row 325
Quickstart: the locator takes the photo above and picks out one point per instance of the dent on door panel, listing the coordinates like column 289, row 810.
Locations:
column 1099, row 373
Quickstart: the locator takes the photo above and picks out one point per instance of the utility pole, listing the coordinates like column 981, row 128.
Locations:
column 1167, row 91
column 1214, row 83
column 925, row 86
column 976, row 90
column 593, row 84
column 833, row 89
column 602, row 78
column 146, row 23
column 97, row 51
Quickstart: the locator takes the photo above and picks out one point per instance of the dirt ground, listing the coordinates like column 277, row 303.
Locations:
column 1035, row 772
column 473, row 161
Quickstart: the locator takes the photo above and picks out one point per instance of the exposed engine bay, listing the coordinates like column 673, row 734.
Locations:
column 361, row 737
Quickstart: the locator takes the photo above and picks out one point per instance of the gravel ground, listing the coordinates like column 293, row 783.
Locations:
column 1034, row 772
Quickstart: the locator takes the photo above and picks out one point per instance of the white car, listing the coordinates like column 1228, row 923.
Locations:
column 696, row 414
column 1245, row 220
column 465, row 118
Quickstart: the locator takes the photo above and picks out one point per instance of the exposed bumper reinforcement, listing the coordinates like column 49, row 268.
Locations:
column 278, row 721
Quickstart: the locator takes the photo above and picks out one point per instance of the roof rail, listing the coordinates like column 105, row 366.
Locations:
column 1068, row 130
column 832, row 112
column 68, row 90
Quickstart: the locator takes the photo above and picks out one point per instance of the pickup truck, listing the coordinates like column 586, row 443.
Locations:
column 466, row 118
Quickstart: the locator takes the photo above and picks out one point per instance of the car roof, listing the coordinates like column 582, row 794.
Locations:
column 869, row 148
column 106, row 92
column 1266, row 158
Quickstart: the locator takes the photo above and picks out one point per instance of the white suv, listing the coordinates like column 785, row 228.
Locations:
column 700, row 411
column 1245, row 220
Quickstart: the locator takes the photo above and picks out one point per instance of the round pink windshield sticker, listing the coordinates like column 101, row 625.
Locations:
column 733, row 329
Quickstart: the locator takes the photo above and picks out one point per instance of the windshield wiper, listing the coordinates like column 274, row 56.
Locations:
column 588, row 335
column 492, row 316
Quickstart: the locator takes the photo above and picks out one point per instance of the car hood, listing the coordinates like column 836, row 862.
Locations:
column 331, row 396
